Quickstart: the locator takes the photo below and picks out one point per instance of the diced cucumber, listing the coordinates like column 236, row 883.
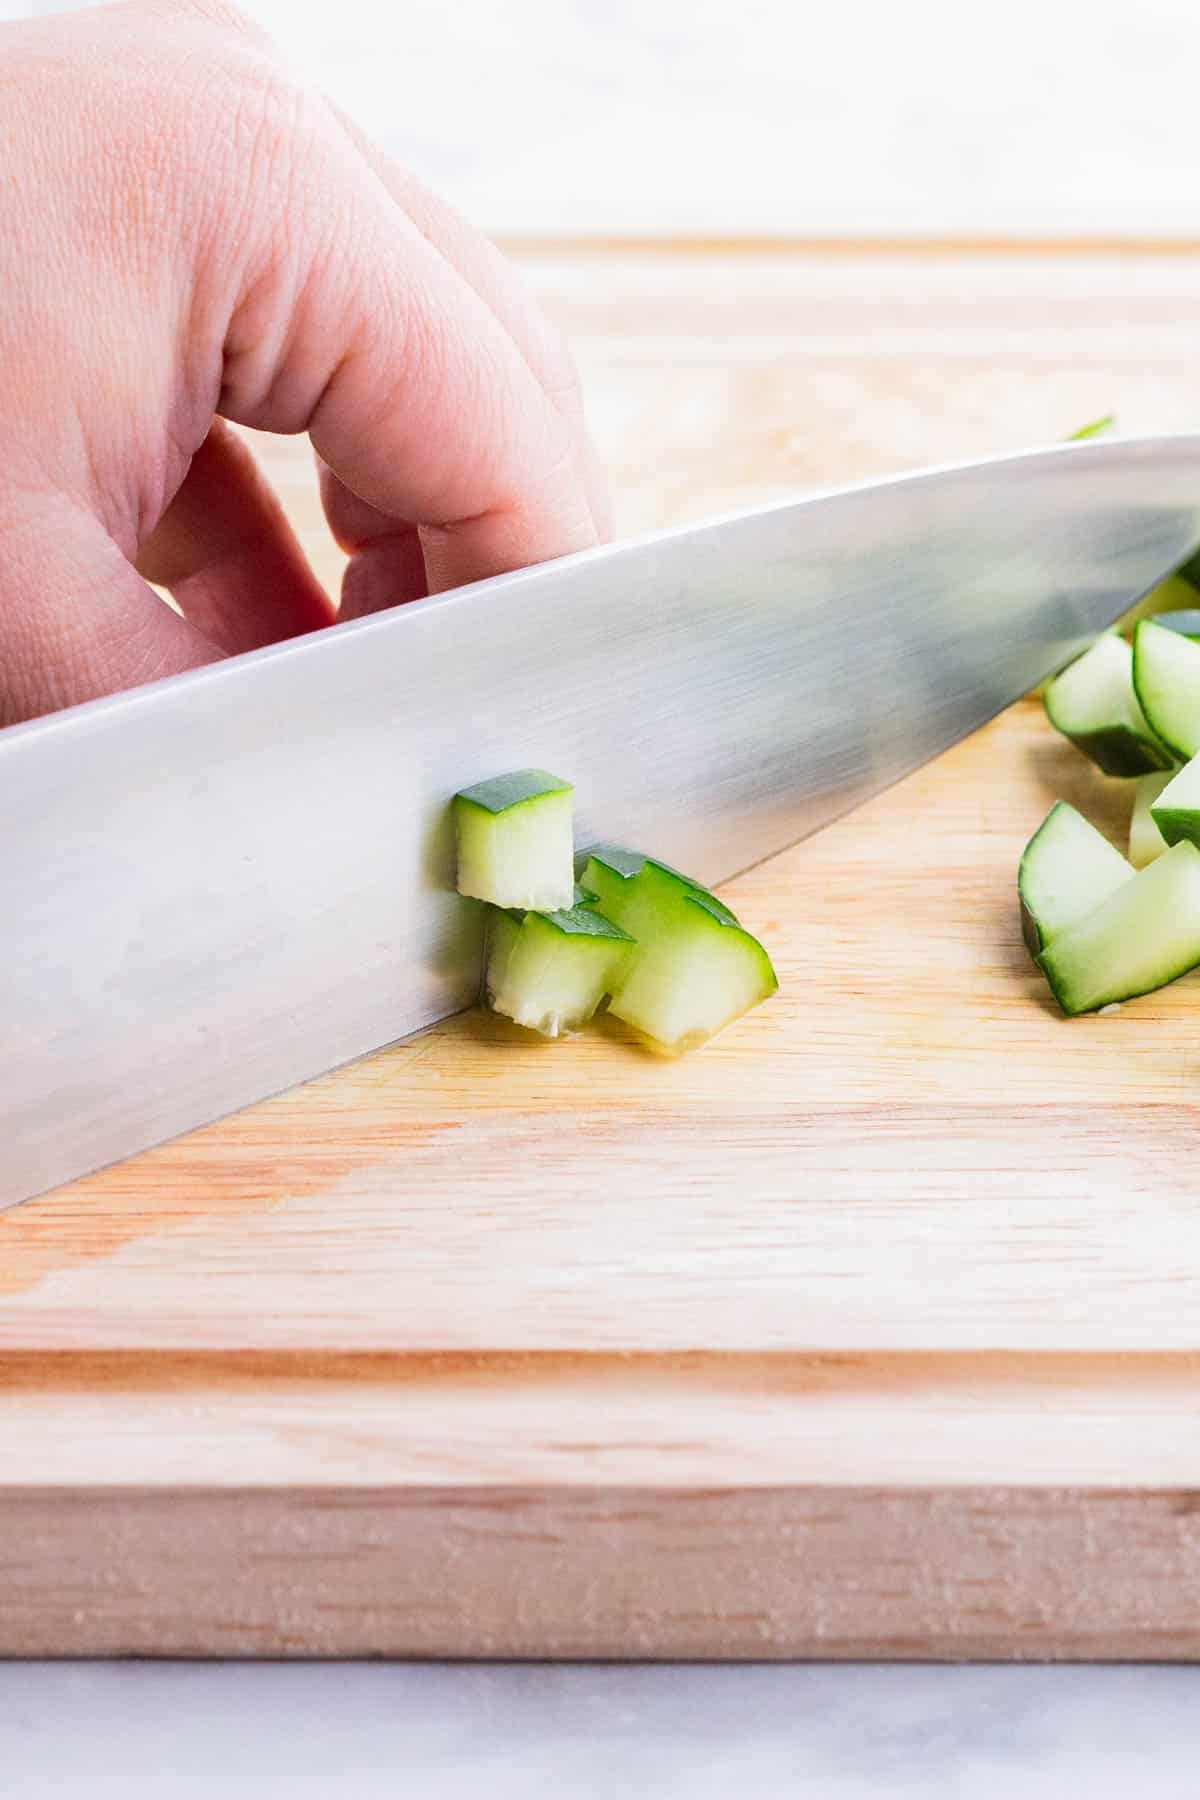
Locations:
column 1067, row 870
column 1093, row 703
column 1146, row 841
column 515, row 845
column 694, row 969
column 1166, row 679
column 1143, row 936
column 1186, row 621
column 550, row 970
column 609, row 867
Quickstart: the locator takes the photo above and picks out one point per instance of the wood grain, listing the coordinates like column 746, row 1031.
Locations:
column 872, row 1329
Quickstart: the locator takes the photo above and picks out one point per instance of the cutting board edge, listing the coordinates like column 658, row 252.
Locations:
column 614, row 1573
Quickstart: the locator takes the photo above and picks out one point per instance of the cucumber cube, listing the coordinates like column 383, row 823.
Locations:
column 550, row 971
column 694, row 969
column 515, row 843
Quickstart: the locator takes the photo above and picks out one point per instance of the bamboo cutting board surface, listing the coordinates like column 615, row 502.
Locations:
column 874, row 1328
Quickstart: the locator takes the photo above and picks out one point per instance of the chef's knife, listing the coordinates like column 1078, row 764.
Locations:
column 223, row 883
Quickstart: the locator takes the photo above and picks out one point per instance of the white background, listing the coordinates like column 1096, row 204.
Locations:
column 775, row 116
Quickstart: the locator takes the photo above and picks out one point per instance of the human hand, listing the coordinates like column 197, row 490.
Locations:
column 190, row 236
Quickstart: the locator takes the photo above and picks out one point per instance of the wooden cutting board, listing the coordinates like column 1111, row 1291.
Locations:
column 873, row 1329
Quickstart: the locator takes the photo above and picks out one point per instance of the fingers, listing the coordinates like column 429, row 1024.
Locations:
column 387, row 558
column 500, row 287
column 228, row 555
column 414, row 393
column 76, row 620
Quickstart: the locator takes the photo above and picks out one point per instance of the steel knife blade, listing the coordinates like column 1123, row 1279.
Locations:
column 224, row 883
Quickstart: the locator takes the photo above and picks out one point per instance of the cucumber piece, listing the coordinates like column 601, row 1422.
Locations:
column 515, row 844
column 694, row 969
column 1146, row 841
column 550, row 970
column 1176, row 812
column 608, row 867
column 1066, row 871
column 1143, row 936
column 1186, row 621
column 1166, row 679
column 1093, row 703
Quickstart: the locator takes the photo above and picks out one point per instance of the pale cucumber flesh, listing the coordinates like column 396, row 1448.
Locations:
column 1094, row 704
column 520, row 853
column 693, row 970
column 1146, row 841
column 1143, row 936
column 549, row 972
column 1166, row 678
column 1067, row 869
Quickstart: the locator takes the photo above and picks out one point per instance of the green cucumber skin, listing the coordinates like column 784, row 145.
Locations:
column 1030, row 932
column 1176, row 825
column 583, row 920
column 1122, row 752
column 1062, row 993
column 608, row 866
column 501, row 792
column 1183, row 743
column 1146, row 841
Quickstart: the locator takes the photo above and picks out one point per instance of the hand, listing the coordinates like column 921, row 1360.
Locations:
column 190, row 235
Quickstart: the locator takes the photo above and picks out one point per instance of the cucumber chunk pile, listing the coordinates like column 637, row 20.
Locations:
column 671, row 959
column 1103, row 928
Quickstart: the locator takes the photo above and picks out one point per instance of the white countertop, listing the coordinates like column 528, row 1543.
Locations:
column 179, row 1731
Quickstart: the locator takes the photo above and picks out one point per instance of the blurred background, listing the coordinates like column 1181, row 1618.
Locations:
column 797, row 243
column 774, row 117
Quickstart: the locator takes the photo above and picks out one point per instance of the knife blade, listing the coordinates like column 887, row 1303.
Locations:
column 223, row 883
